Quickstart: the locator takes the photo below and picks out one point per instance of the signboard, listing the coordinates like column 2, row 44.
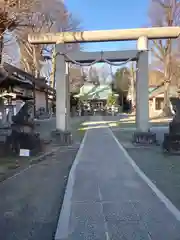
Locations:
column 24, row 153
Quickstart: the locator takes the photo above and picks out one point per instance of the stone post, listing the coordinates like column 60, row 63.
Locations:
column 61, row 91
column 142, row 87
column 68, row 112
column 62, row 132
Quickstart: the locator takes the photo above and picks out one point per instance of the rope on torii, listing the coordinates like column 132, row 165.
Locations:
column 100, row 59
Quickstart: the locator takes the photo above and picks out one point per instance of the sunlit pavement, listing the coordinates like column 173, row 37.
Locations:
column 121, row 122
column 115, row 123
column 46, row 126
column 108, row 197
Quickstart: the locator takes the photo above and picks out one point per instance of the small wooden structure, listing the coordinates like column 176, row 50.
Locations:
column 18, row 104
column 22, row 86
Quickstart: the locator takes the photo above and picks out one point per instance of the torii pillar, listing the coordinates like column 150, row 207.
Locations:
column 142, row 86
column 62, row 91
column 142, row 94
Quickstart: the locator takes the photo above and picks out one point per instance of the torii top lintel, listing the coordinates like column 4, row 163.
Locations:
column 104, row 35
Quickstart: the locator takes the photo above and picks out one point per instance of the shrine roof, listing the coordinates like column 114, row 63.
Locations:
column 20, row 77
column 173, row 90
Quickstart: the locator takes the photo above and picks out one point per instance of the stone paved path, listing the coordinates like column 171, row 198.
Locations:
column 106, row 199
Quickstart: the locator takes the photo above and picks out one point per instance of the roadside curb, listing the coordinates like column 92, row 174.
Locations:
column 160, row 195
column 62, row 230
column 43, row 156
column 37, row 160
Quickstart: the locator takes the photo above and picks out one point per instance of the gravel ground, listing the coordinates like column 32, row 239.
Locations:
column 30, row 202
column 45, row 127
column 162, row 169
column 10, row 165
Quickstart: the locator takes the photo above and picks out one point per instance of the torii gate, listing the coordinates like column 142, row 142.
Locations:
column 142, row 35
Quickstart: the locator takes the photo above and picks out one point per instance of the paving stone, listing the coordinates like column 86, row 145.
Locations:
column 110, row 200
column 127, row 230
column 86, row 222
column 117, row 212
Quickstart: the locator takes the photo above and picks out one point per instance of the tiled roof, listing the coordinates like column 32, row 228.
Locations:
column 95, row 92
column 20, row 75
column 173, row 91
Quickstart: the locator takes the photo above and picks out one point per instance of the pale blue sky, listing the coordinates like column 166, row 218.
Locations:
column 114, row 14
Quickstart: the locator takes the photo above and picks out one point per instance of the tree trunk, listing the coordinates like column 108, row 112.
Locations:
column 35, row 63
column 167, row 75
column 53, row 80
column 26, row 66
column 1, row 48
column 133, row 87
column 3, row 73
column 166, row 108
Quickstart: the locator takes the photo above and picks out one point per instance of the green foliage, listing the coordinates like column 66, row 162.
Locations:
column 122, row 79
column 112, row 100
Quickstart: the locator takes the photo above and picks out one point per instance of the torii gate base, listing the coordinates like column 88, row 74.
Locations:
column 142, row 95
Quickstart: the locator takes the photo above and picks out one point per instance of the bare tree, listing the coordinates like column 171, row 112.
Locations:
column 105, row 72
column 166, row 13
column 132, row 76
column 93, row 76
column 42, row 20
column 76, row 79
column 24, row 17
column 122, row 79
column 13, row 15
column 48, row 16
